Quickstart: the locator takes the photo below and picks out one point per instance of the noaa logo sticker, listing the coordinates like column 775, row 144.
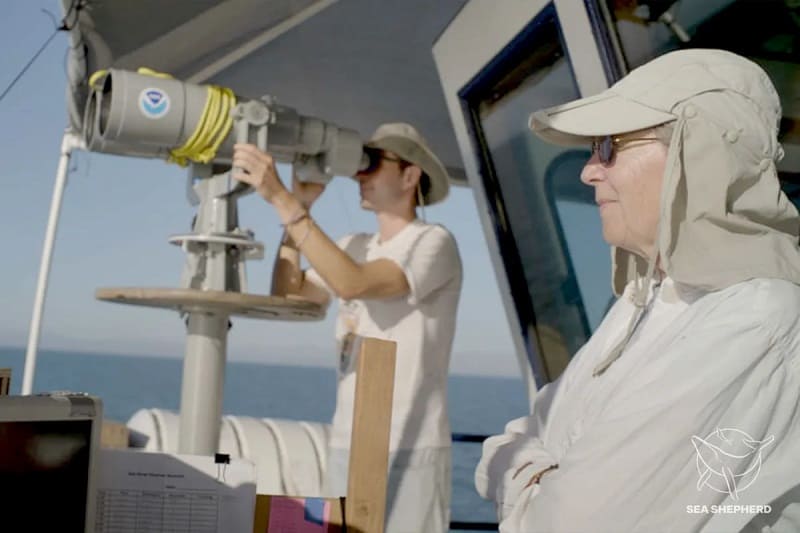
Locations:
column 154, row 103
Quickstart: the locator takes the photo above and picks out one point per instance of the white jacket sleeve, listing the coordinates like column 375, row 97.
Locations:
column 509, row 460
column 633, row 467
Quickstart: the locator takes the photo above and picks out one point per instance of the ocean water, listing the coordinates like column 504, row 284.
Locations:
column 478, row 405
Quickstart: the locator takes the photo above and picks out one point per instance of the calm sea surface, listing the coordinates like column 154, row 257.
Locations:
column 478, row 405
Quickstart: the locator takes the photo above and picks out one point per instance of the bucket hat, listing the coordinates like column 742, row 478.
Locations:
column 405, row 141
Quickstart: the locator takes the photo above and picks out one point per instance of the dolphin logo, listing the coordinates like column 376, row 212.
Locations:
column 722, row 454
column 154, row 103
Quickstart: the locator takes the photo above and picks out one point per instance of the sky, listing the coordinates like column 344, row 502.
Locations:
column 118, row 213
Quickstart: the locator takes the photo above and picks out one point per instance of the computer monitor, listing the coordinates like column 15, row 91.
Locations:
column 48, row 455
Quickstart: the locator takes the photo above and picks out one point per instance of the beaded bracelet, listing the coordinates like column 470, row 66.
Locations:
column 296, row 217
column 299, row 243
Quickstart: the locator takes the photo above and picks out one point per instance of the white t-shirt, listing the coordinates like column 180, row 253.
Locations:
column 422, row 323
column 632, row 444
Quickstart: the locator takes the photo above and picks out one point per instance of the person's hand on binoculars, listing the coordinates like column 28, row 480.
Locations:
column 257, row 169
column 306, row 192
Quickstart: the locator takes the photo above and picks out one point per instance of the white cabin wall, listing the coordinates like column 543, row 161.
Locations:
column 471, row 40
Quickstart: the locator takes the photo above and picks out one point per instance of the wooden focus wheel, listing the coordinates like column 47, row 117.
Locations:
column 265, row 307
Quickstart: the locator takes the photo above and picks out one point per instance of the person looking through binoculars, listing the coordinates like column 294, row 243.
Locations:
column 401, row 283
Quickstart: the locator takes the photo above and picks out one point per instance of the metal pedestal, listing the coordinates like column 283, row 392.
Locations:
column 214, row 283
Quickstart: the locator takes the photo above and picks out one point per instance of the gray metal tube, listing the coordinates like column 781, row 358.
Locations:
column 142, row 109
column 203, row 380
column 207, row 333
column 145, row 116
column 96, row 143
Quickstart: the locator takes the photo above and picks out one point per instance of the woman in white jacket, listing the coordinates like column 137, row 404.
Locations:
column 682, row 412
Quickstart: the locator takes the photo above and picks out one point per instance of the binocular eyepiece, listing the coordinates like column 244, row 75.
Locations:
column 370, row 159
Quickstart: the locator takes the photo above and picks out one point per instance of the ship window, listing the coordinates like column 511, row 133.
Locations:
column 547, row 225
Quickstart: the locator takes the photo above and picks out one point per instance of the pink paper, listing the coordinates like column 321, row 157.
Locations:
column 298, row 515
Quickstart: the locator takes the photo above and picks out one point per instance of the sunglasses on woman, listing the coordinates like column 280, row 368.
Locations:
column 607, row 147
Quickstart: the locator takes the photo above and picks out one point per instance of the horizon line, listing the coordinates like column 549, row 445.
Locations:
column 22, row 350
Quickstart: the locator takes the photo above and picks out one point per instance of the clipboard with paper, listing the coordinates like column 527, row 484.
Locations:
column 150, row 491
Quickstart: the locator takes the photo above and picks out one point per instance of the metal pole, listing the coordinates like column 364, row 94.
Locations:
column 203, row 380
column 206, row 342
column 204, row 363
column 70, row 141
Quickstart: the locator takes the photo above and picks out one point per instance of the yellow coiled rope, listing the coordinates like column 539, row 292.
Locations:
column 213, row 127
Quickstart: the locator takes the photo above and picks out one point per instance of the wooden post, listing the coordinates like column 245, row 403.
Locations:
column 114, row 435
column 5, row 381
column 365, row 505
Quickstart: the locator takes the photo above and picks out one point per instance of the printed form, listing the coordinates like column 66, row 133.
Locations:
column 154, row 492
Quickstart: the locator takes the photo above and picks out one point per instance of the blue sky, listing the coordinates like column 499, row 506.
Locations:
column 119, row 212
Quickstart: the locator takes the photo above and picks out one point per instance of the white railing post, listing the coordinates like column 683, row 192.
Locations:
column 70, row 142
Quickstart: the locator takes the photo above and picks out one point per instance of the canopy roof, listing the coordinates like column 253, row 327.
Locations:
column 356, row 63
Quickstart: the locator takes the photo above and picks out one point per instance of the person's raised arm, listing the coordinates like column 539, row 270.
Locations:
column 288, row 278
column 348, row 279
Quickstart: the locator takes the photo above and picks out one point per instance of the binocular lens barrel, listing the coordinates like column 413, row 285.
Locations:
column 146, row 116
